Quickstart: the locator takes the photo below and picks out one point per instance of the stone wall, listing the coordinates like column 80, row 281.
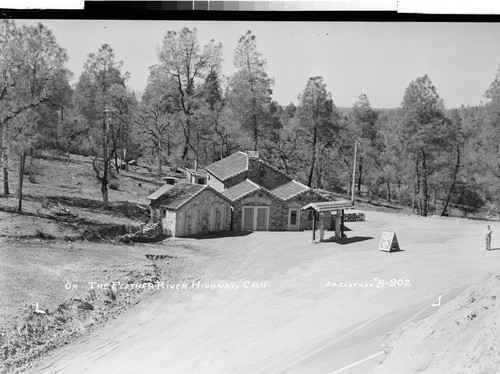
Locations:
column 260, row 173
column 213, row 182
column 235, row 180
column 259, row 198
column 168, row 222
column 197, row 213
column 305, row 215
column 278, row 210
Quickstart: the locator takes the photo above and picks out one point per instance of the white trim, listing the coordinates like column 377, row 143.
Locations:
column 255, row 209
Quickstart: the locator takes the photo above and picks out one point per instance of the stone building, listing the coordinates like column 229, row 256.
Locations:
column 263, row 197
column 186, row 209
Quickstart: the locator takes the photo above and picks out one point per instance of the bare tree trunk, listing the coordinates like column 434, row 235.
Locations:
column 105, row 161
column 424, row 190
column 449, row 193
column 388, row 184
column 313, row 158
column 416, row 189
column 159, row 160
column 5, row 161
column 22, row 161
column 360, row 168
column 117, row 167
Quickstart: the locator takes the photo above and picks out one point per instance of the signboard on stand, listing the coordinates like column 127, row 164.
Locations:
column 388, row 242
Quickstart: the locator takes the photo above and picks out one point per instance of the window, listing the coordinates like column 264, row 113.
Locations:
column 293, row 217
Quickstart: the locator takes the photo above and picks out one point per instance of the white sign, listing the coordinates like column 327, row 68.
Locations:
column 388, row 242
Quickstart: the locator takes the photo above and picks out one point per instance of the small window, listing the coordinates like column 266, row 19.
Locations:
column 293, row 217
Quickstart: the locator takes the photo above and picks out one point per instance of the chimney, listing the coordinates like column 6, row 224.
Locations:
column 253, row 154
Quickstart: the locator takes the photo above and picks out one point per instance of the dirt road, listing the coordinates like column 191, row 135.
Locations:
column 271, row 302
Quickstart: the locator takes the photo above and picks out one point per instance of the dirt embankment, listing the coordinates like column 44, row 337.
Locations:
column 63, row 236
column 34, row 331
column 462, row 337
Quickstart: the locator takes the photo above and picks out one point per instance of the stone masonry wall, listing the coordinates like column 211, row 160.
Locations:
column 260, row 198
column 202, row 204
column 168, row 223
column 213, row 182
column 259, row 173
column 306, row 217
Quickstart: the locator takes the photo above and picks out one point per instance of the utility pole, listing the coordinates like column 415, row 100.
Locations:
column 354, row 171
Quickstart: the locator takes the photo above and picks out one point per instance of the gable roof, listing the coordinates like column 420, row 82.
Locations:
column 229, row 166
column 289, row 190
column 246, row 188
column 241, row 189
column 175, row 196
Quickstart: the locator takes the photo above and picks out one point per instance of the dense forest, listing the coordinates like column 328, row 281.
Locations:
column 422, row 155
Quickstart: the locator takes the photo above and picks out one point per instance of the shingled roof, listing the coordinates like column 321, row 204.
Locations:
column 175, row 196
column 229, row 166
column 289, row 190
column 240, row 190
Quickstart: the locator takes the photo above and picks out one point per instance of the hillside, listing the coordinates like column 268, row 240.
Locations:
column 462, row 337
column 63, row 240
column 63, row 201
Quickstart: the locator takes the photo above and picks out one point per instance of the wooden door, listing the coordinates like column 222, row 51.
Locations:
column 261, row 221
column 248, row 218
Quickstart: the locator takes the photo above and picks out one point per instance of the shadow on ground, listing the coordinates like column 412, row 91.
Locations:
column 343, row 241
column 223, row 234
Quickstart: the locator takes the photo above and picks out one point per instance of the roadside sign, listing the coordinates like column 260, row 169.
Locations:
column 388, row 242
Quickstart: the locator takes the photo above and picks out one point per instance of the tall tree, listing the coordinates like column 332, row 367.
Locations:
column 491, row 140
column 319, row 121
column 93, row 99
column 424, row 131
column 189, row 64
column 362, row 125
column 250, row 90
column 32, row 72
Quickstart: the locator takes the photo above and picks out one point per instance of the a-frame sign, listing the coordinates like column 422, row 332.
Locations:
column 388, row 242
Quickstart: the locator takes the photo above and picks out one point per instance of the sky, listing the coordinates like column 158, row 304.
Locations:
column 378, row 59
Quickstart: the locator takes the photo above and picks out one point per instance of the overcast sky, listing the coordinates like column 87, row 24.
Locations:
column 378, row 59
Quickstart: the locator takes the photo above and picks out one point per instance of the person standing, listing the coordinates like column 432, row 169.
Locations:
column 488, row 238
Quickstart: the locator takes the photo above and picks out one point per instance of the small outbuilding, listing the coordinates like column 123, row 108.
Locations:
column 187, row 209
column 196, row 176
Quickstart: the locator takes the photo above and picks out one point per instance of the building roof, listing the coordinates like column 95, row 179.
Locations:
column 176, row 195
column 289, row 190
column 241, row 189
column 160, row 191
column 246, row 188
column 229, row 166
column 329, row 205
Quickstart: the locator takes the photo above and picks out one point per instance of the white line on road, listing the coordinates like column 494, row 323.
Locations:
column 357, row 362
column 328, row 344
